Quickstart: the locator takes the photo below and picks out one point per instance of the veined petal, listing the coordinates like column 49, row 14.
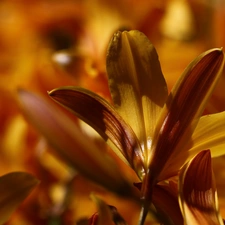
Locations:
column 101, row 116
column 14, row 188
column 136, row 82
column 183, row 109
column 165, row 200
column 197, row 192
column 65, row 137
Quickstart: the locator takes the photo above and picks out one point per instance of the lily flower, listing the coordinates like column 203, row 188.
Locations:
column 152, row 132
column 198, row 194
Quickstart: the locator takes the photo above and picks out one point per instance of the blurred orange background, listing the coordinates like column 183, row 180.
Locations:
column 45, row 44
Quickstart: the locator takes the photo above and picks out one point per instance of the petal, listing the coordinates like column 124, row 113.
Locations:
column 183, row 109
column 72, row 145
column 14, row 188
column 209, row 134
column 166, row 206
column 165, row 200
column 136, row 83
column 98, row 113
column 198, row 195
column 180, row 116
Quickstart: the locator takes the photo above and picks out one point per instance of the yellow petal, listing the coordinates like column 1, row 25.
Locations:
column 71, row 144
column 14, row 188
column 136, row 83
column 209, row 134
column 197, row 192
column 101, row 116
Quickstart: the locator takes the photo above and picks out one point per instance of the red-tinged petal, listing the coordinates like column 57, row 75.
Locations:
column 14, row 188
column 180, row 116
column 183, row 109
column 136, row 82
column 197, row 192
column 166, row 202
column 101, row 116
column 66, row 138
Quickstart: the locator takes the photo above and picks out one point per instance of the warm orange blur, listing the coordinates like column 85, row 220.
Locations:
column 46, row 44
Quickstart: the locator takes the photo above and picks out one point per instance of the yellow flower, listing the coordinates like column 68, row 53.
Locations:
column 153, row 132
